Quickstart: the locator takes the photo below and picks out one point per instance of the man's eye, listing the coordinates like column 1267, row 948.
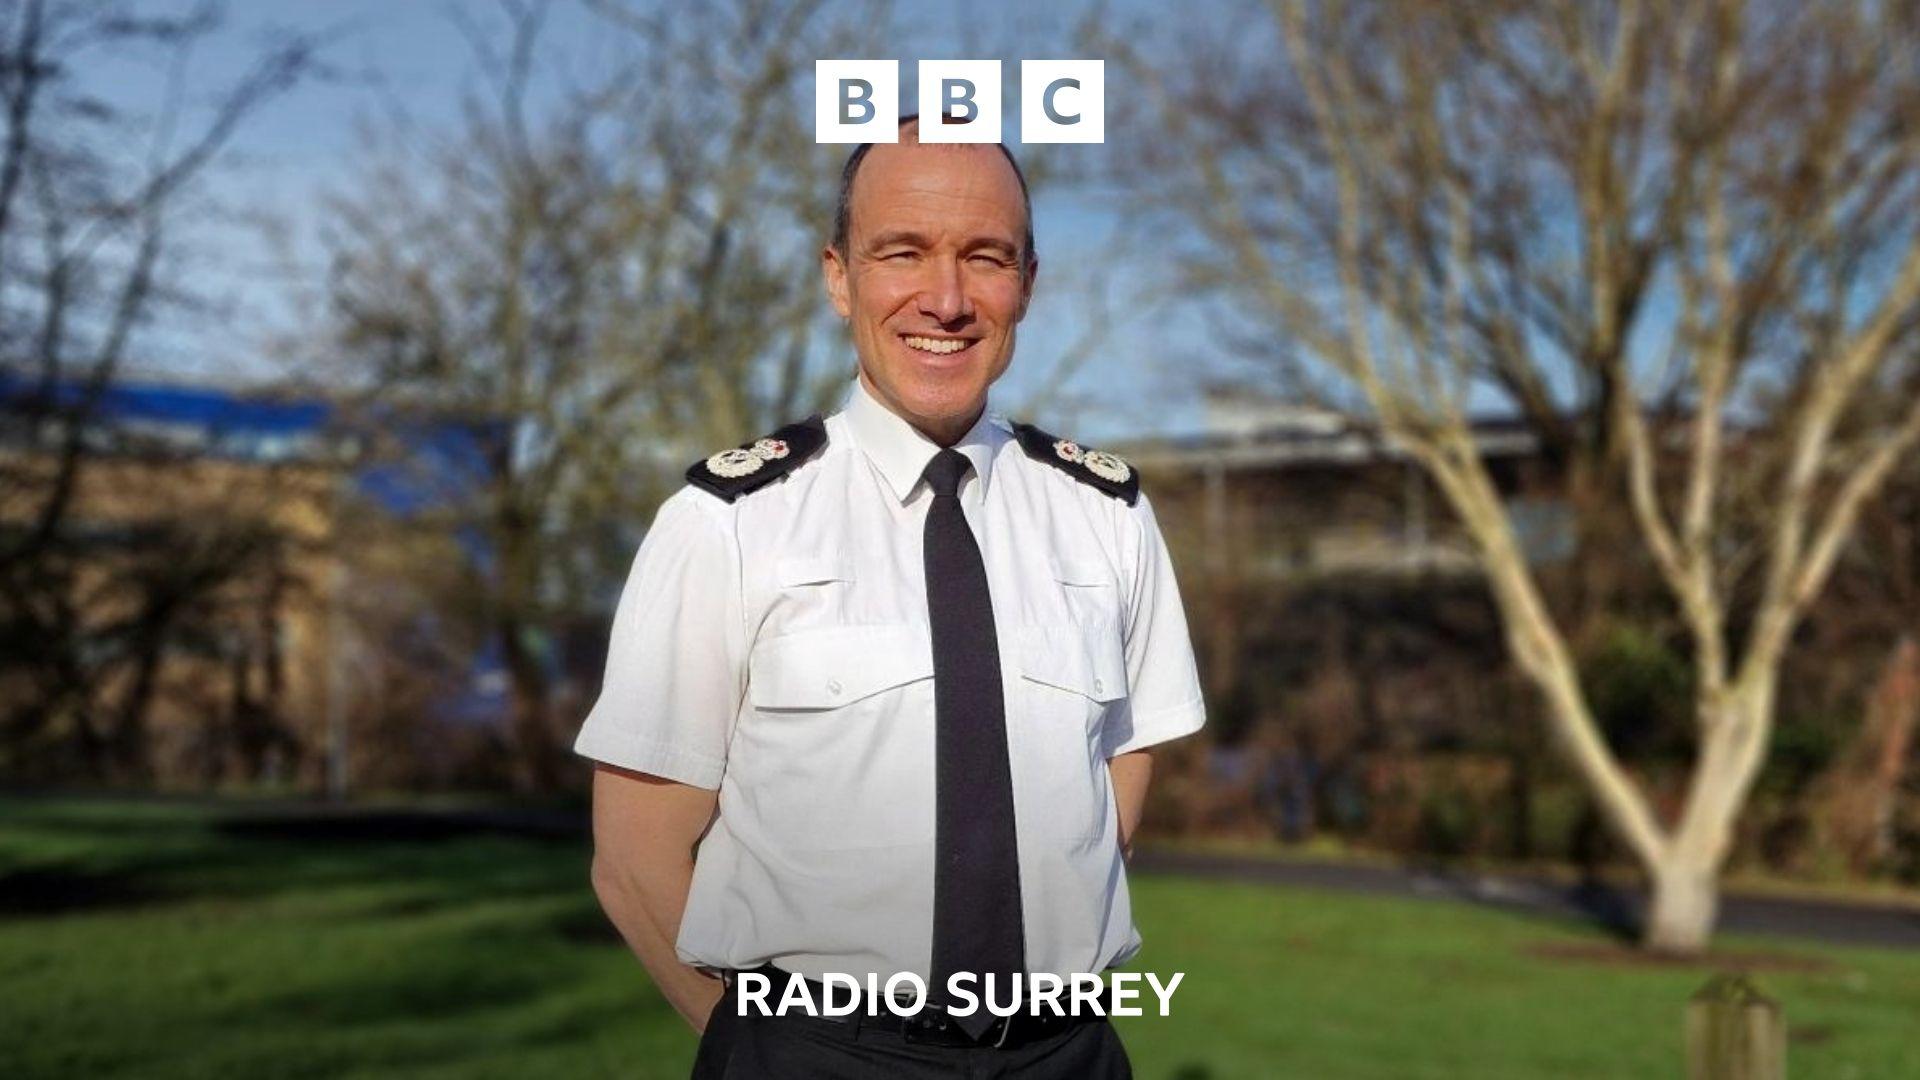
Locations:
column 898, row 255
column 991, row 261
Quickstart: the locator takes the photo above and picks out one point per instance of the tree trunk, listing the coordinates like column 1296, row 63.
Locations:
column 131, row 751
column 537, row 766
column 1685, row 873
column 1684, row 904
column 1600, row 574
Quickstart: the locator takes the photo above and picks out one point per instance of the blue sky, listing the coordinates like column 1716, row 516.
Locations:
column 304, row 144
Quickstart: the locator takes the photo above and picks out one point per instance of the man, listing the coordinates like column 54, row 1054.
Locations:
column 893, row 677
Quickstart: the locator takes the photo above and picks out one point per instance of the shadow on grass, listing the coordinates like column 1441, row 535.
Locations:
column 68, row 889
column 464, row 989
column 421, row 880
column 325, row 825
column 58, row 860
column 1611, row 911
column 420, row 989
column 1616, row 913
column 393, row 941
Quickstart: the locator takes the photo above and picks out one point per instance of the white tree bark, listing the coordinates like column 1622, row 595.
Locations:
column 1408, row 241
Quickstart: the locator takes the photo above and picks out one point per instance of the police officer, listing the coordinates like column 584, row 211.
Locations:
column 881, row 687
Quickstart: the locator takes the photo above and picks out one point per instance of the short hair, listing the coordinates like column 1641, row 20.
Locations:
column 843, row 207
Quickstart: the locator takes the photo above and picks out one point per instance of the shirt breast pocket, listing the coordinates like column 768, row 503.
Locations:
column 836, row 753
column 1089, row 590
column 1073, row 680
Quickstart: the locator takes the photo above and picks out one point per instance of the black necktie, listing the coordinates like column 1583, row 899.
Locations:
column 976, row 882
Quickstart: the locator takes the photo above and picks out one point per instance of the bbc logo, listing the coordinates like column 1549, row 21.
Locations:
column 858, row 101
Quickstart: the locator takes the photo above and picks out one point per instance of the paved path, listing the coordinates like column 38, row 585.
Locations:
column 1619, row 910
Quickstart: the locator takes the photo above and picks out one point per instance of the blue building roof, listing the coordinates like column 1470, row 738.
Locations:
column 441, row 463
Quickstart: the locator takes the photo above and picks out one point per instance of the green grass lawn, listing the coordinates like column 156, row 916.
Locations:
column 159, row 939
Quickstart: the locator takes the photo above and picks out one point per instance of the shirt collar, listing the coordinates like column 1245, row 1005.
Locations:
column 901, row 452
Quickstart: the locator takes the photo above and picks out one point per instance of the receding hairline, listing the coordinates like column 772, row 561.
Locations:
column 910, row 135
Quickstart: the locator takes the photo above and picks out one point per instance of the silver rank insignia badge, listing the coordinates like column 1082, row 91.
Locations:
column 732, row 463
column 749, row 467
column 1099, row 462
column 1106, row 466
column 1095, row 468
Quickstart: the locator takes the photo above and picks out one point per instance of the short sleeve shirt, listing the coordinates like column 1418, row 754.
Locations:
column 777, row 649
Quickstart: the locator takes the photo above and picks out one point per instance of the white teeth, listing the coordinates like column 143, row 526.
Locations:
column 937, row 345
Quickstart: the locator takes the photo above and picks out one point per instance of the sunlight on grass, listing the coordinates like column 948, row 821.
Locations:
column 158, row 939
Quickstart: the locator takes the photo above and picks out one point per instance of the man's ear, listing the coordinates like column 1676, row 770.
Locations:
column 1026, row 290
column 833, row 270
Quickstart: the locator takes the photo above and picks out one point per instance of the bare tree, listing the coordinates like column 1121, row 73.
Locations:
column 94, row 196
column 617, row 273
column 1679, row 239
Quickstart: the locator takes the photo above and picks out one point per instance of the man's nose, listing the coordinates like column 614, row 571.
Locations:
column 945, row 296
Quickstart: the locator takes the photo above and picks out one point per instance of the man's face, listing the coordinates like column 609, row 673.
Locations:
column 931, row 281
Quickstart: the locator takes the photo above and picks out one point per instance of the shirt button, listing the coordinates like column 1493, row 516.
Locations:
column 1099, row 687
column 833, row 687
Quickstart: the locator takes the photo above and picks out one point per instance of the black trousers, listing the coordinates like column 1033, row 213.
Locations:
column 799, row 1047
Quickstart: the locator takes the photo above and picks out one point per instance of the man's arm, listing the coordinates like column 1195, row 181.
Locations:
column 1129, row 774
column 644, row 831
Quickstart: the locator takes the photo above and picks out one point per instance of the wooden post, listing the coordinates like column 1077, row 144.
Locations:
column 1735, row 1032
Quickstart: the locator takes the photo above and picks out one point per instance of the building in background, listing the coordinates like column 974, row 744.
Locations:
column 1352, row 661
column 222, row 597
column 1270, row 491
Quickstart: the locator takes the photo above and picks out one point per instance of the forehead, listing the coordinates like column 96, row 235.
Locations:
column 937, row 188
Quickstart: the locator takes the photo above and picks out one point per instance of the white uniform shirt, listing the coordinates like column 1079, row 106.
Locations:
column 777, row 648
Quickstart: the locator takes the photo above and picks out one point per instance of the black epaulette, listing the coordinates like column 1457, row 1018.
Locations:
column 1095, row 468
column 753, row 465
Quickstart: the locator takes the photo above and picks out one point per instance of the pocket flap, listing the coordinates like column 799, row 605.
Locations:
column 811, row 569
column 1086, row 660
column 835, row 666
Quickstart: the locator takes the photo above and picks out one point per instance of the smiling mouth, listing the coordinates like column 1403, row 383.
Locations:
column 937, row 346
